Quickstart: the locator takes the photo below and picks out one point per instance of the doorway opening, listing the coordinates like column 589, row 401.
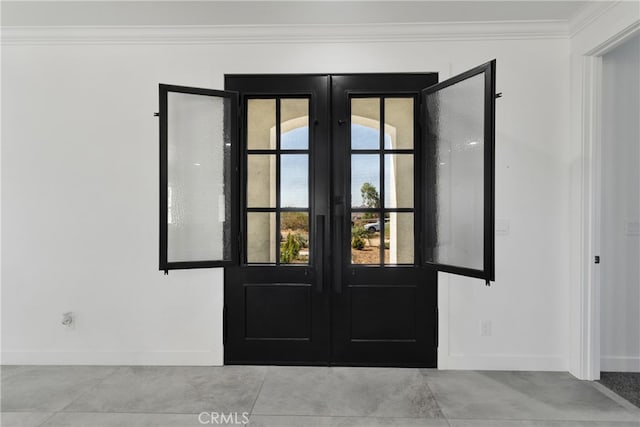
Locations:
column 620, row 222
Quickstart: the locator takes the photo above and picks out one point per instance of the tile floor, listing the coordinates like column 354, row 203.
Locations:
column 303, row 396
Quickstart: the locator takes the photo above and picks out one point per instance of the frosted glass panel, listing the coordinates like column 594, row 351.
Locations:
column 456, row 129
column 198, row 175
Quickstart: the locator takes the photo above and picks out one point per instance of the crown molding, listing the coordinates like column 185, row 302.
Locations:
column 230, row 34
column 588, row 14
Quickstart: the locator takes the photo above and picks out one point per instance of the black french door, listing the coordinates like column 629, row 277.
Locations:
column 277, row 303
column 384, row 302
column 348, row 194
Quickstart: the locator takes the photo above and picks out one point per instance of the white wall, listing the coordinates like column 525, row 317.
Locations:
column 620, row 241
column 80, row 200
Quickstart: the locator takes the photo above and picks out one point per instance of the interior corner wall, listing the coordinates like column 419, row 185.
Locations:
column 80, row 201
column 620, row 239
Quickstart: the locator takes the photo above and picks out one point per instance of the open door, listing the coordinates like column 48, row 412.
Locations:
column 198, row 144
column 459, row 133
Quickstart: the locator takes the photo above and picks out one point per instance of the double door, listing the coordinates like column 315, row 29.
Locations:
column 335, row 223
column 329, row 207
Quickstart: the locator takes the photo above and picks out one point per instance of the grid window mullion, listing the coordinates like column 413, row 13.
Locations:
column 382, row 189
column 278, row 190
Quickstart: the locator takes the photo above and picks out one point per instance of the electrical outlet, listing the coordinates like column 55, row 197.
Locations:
column 68, row 320
column 485, row 328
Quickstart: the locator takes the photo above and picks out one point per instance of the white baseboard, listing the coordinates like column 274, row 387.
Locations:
column 619, row 364
column 150, row 358
column 501, row 362
column 208, row 358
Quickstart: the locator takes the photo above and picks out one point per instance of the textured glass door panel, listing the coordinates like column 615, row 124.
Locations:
column 261, row 180
column 459, row 166
column 398, row 181
column 398, row 123
column 261, row 124
column 365, row 123
column 261, row 237
column 198, row 178
column 458, row 128
column 294, row 124
column 365, row 181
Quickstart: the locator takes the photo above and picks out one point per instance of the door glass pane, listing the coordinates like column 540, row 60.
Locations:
column 198, row 174
column 365, row 123
column 261, row 124
column 294, row 238
column 294, row 181
column 365, row 238
column 261, row 181
column 398, row 238
column 261, row 237
column 294, row 124
column 398, row 180
column 365, row 181
column 398, row 123
column 456, row 127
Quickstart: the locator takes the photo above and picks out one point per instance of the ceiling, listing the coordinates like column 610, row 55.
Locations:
column 108, row 13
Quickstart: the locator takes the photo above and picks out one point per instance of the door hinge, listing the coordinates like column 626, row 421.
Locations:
column 596, row 259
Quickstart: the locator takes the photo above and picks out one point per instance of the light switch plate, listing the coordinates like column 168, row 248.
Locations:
column 502, row 227
column 633, row 228
column 485, row 328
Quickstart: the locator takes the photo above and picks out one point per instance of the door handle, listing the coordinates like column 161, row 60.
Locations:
column 319, row 257
column 337, row 260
